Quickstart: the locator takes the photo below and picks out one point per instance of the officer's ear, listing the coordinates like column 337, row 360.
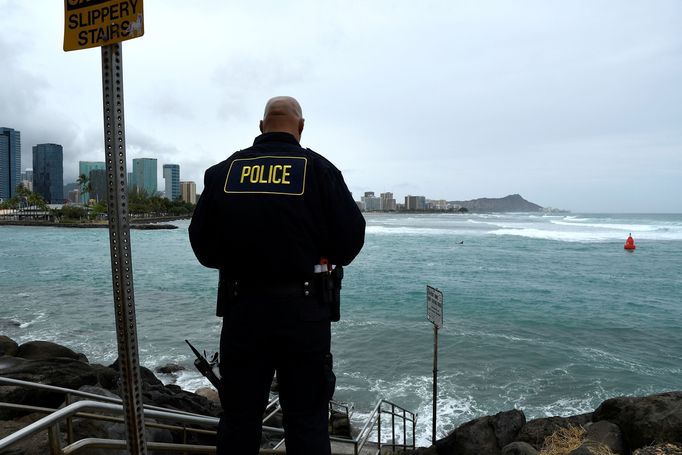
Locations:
column 300, row 126
column 260, row 126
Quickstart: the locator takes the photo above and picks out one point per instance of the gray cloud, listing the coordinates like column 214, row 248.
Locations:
column 570, row 104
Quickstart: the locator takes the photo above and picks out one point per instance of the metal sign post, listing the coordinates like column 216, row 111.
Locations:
column 105, row 23
column 119, row 240
column 434, row 313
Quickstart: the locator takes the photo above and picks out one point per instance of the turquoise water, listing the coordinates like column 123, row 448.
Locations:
column 547, row 314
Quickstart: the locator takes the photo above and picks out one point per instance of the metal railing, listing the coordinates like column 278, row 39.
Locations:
column 395, row 412
column 400, row 419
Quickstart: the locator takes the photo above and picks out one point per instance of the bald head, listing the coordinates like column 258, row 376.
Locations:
column 283, row 114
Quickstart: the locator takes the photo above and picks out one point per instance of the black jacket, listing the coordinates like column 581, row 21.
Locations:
column 274, row 209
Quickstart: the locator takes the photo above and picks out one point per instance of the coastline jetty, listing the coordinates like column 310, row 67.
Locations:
column 650, row 425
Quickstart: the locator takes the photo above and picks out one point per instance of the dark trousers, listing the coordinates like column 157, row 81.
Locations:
column 262, row 335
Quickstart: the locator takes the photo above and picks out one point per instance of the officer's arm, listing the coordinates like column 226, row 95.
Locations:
column 347, row 225
column 203, row 228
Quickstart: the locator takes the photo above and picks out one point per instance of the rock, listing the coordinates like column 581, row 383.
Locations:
column 208, row 392
column 146, row 375
column 518, row 448
column 535, row 431
column 8, row 346
column 645, row 420
column 583, row 450
column 35, row 445
column 91, row 428
column 61, row 372
column 422, row 451
column 173, row 397
column 483, row 436
column 170, row 368
column 10, row 362
column 39, row 350
column 339, row 424
column 660, row 449
column 608, row 434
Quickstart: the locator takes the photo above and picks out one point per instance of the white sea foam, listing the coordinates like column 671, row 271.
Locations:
column 384, row 230
column 608, row 233
column 565, row 236
column 611, row 226
column 37, row 318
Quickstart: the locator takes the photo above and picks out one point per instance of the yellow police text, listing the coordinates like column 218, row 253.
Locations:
column 273, row 173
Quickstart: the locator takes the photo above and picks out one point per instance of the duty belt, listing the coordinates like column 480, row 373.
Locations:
column 294, row 288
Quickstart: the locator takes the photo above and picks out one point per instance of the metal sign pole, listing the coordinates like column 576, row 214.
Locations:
column 434, row 313
column 119, row 240
column 435, row 383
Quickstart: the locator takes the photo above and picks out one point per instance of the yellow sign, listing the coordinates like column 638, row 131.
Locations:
column 92, row 23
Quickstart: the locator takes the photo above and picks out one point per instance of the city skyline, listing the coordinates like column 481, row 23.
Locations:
column 48, row 158
column 149, row 171
column 572, row 105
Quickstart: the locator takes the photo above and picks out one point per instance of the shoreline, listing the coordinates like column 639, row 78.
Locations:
column 619, row 425
column 151, row 223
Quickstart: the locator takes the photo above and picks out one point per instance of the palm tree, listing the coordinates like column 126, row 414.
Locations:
column 85, row 187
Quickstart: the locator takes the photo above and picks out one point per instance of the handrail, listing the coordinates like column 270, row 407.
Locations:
column 84, row 405
column 115, row 406
column 80, row 393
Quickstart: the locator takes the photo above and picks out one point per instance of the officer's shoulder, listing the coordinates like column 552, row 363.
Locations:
column 320, row 160
column 215, row 169
column 220, row 168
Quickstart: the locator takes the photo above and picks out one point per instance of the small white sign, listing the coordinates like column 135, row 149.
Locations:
column 434, row 306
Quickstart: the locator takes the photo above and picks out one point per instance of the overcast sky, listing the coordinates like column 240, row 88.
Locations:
column 572, row 104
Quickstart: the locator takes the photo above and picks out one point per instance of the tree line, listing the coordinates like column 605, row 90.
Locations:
column 140, row 204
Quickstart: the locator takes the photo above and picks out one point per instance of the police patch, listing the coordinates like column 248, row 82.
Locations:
column 267, row 175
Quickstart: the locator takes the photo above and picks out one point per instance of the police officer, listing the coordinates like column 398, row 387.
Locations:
column 268, row 217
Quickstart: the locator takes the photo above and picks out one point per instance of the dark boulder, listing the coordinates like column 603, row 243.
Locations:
column 173, row 397
column 584, row 449
column 339, row 424
column 10, row 362
column 606, row 434
column 146, row 375
column 8, row 346
column 660, row 449
column 535, row 431
column 33, row 445
column 645, row 420
column 62, row 372
column 518, row 448
column 39, row 350
column 484, row 436
column 169, row 368
column 93, row 428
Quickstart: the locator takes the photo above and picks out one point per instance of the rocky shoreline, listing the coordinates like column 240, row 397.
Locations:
column 650, row 425
column 135, row 224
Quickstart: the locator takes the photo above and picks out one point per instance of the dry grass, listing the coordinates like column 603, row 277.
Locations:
column 565, row 440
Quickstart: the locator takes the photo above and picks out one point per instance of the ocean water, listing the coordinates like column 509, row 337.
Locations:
column 543, row 313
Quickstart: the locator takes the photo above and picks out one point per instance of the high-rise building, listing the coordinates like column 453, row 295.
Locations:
column 145, row 175
column 387, row 201
column 372, row 203
column 98, row 184
column 10, row 162
column 48, row 172
column 188, row 192
column 84, row 168
column 171, row 175
column 27, row 179
column 415, row 202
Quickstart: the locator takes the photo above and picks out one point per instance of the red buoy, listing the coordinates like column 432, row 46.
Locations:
column 630, row 243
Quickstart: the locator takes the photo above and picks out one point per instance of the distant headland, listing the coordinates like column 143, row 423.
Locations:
column 511, row 203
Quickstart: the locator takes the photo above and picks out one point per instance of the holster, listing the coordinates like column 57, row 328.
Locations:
column 331, row 292
column 227, row 293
